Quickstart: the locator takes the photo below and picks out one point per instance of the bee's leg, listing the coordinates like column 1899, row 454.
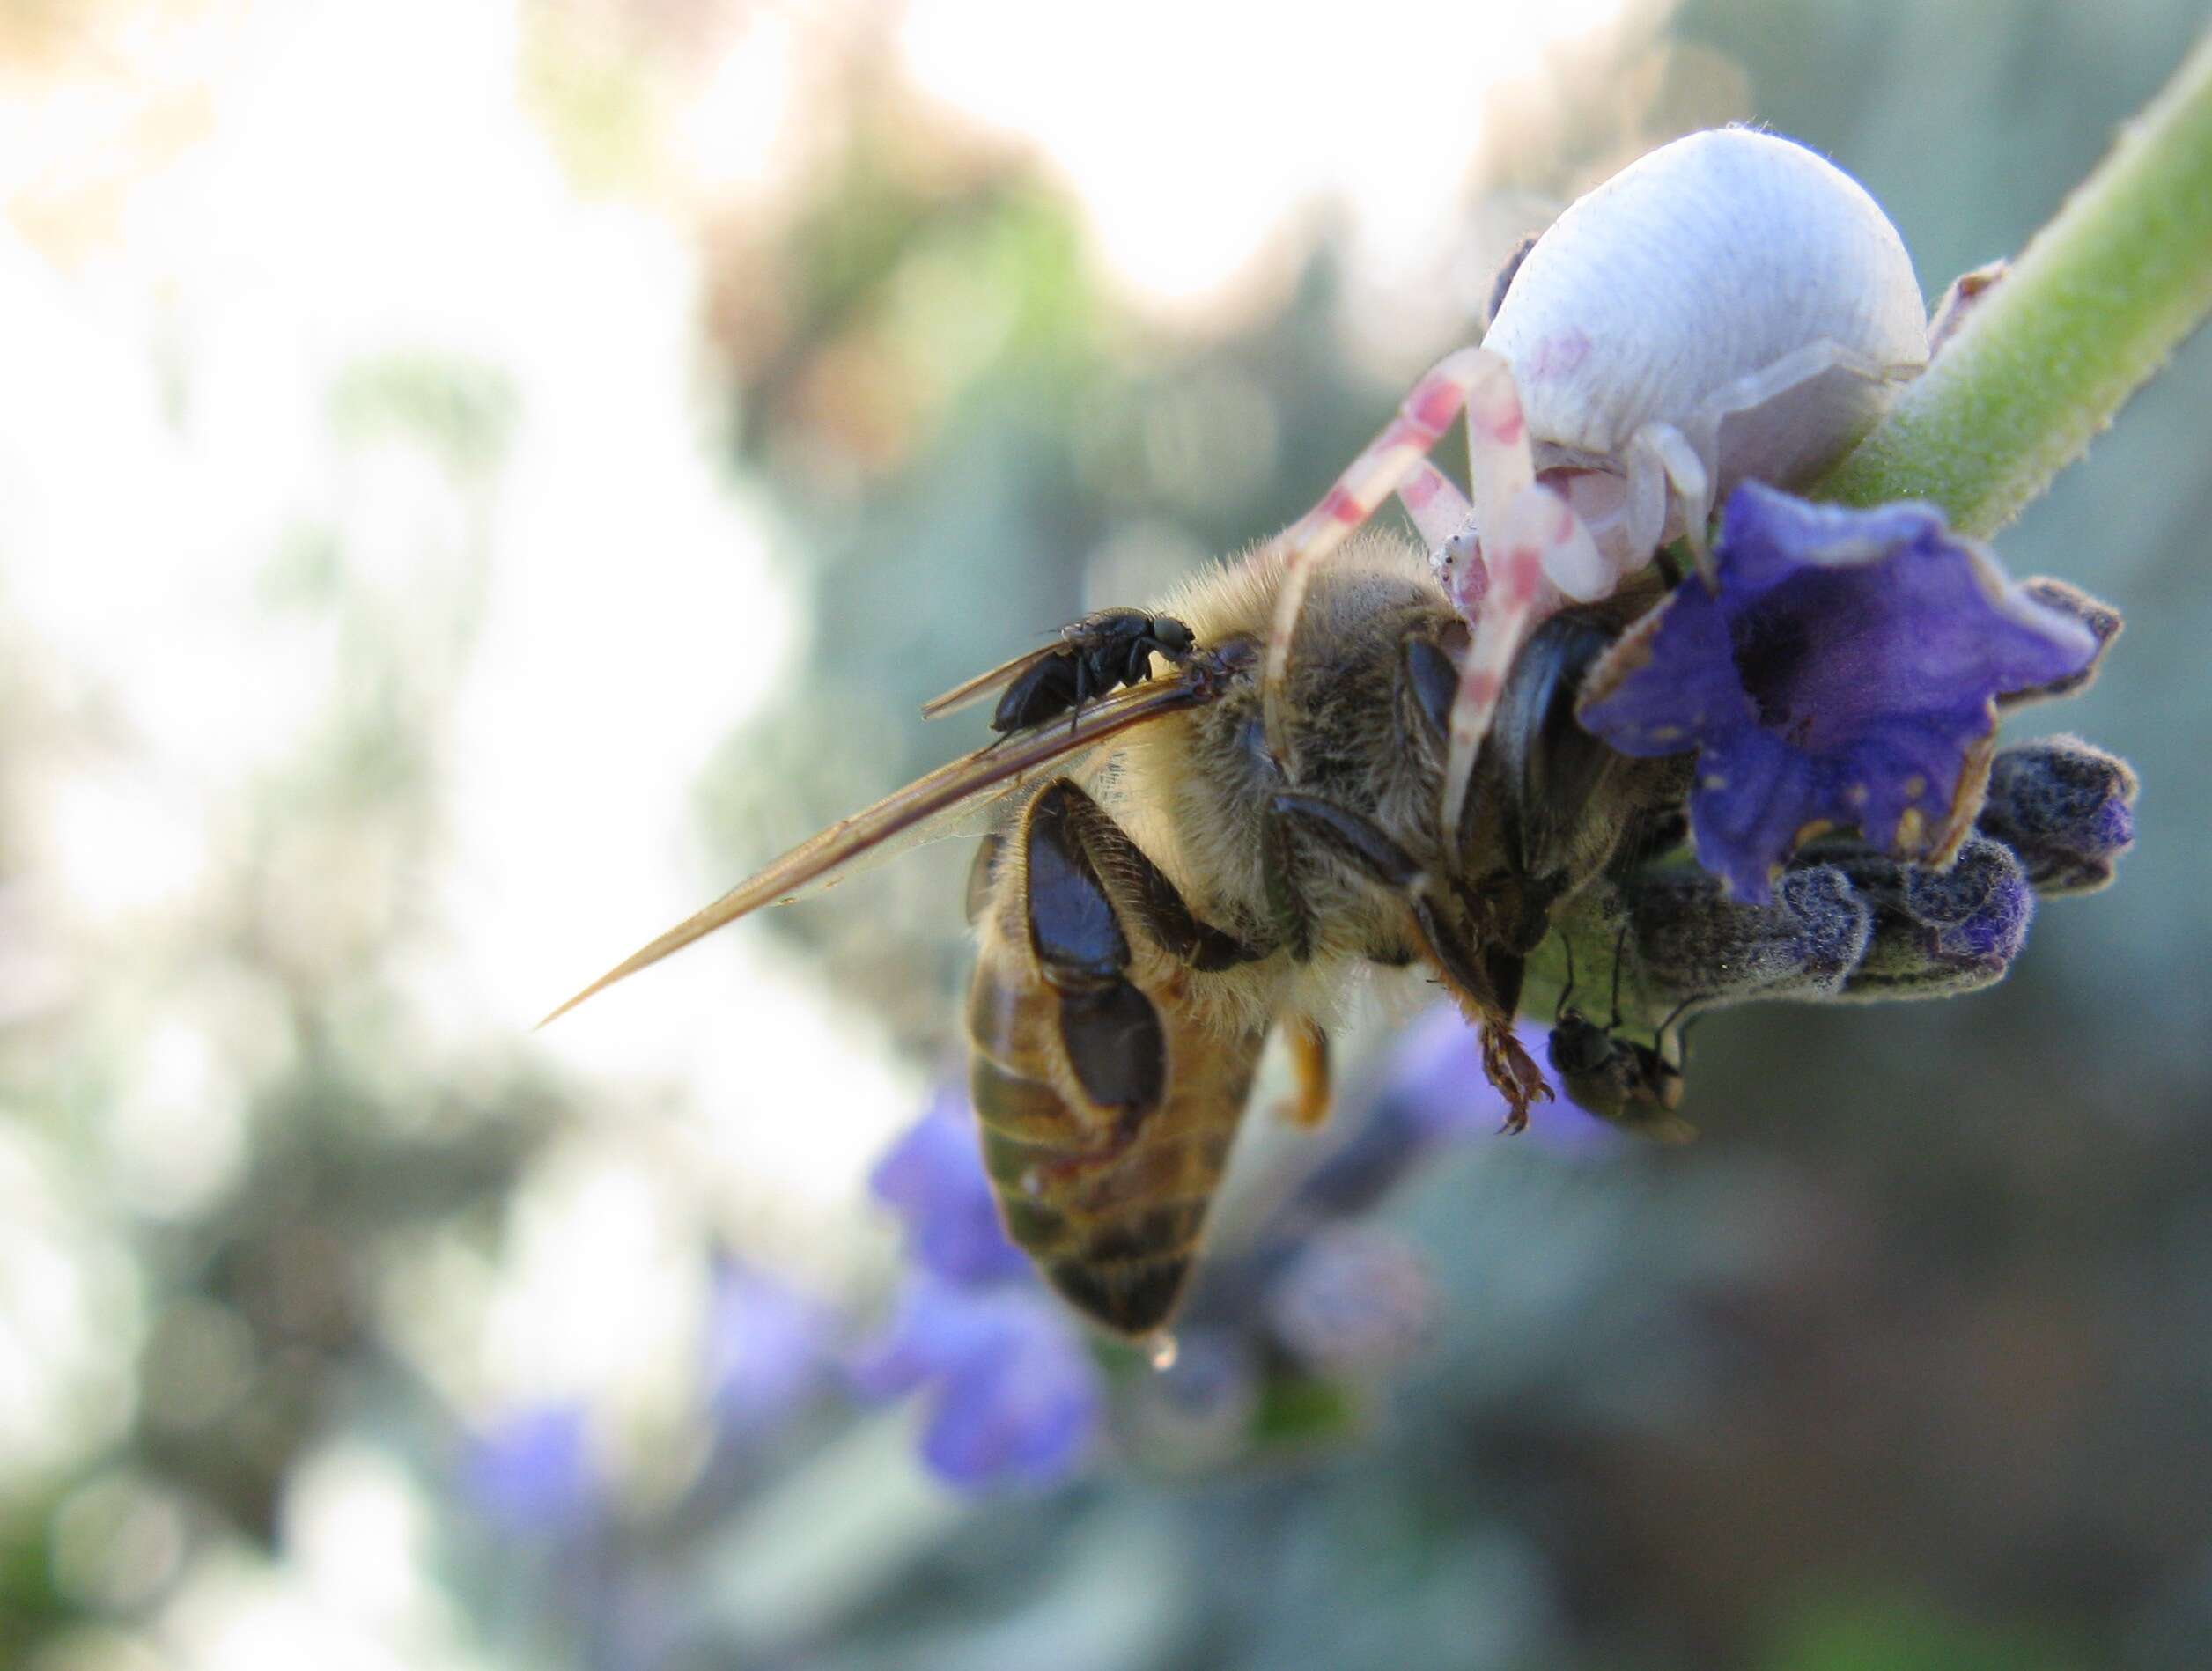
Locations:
column 1290, row 825
column 1422, row 416
column 1084, row 876
column 1480, row 986
column 1310, row 1102
column 1286, row 907
column 1426, row 682
column 1486, row 988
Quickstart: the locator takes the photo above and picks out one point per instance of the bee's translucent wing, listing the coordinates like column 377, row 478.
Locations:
column 938, row 804
column 974, row 691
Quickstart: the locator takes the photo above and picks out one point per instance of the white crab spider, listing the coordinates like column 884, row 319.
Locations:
column 1728, row 307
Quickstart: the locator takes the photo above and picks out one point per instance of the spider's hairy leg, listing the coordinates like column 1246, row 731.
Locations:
column 1423, row 416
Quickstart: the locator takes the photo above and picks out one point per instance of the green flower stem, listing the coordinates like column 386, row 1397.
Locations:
column 2091, row 309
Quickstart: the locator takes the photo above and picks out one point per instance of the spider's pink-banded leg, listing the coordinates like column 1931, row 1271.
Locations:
column 1445, row 520
column 1405, row 441
column 1433, row 500
column 1532, row 539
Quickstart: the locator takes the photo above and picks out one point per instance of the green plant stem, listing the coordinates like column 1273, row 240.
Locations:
column 2099, row 300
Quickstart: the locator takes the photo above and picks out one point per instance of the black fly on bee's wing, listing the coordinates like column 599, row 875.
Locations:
column 935, row 804
column 1103, row 651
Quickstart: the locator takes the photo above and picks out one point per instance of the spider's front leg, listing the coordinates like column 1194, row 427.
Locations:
column 1445, row 519
column 1535, row 553
column 1535, row 549
column 1388, row 460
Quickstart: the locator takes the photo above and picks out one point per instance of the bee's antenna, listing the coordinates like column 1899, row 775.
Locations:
column 1567, row 945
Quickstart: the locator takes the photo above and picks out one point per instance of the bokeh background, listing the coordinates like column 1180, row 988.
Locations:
column 476, row 479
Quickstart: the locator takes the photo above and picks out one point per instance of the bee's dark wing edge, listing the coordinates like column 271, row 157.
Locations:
column 941, row 797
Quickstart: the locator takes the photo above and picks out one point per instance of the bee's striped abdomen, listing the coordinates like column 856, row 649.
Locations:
column 1110, row 1205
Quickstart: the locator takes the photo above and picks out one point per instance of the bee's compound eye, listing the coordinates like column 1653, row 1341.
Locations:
column 1172, row 634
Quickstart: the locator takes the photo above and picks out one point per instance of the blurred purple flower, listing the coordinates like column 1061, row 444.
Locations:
column 932, row 1178
column 1846, row 672
column 1015, row 1397
column 531, row 1472
column 768, row 1348
column 1352, row 1301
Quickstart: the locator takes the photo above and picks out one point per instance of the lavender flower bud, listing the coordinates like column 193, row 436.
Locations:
column 2065, row 808
column 1691, row 939
column 1938, row 932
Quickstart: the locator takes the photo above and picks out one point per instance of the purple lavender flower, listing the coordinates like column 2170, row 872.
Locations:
column 1844, row 673
column 1352, row 1301
column 932, row 1178
column 767, row 1348
column 1014, row 1396
column 531, row 1472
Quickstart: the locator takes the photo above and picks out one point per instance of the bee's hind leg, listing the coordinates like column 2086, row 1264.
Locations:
column 1311, row 1097
column 1486, row 988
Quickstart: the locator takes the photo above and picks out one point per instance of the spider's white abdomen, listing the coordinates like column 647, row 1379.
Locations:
column 1733, row 289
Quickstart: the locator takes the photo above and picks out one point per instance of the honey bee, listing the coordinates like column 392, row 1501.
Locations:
column 1158, row 890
